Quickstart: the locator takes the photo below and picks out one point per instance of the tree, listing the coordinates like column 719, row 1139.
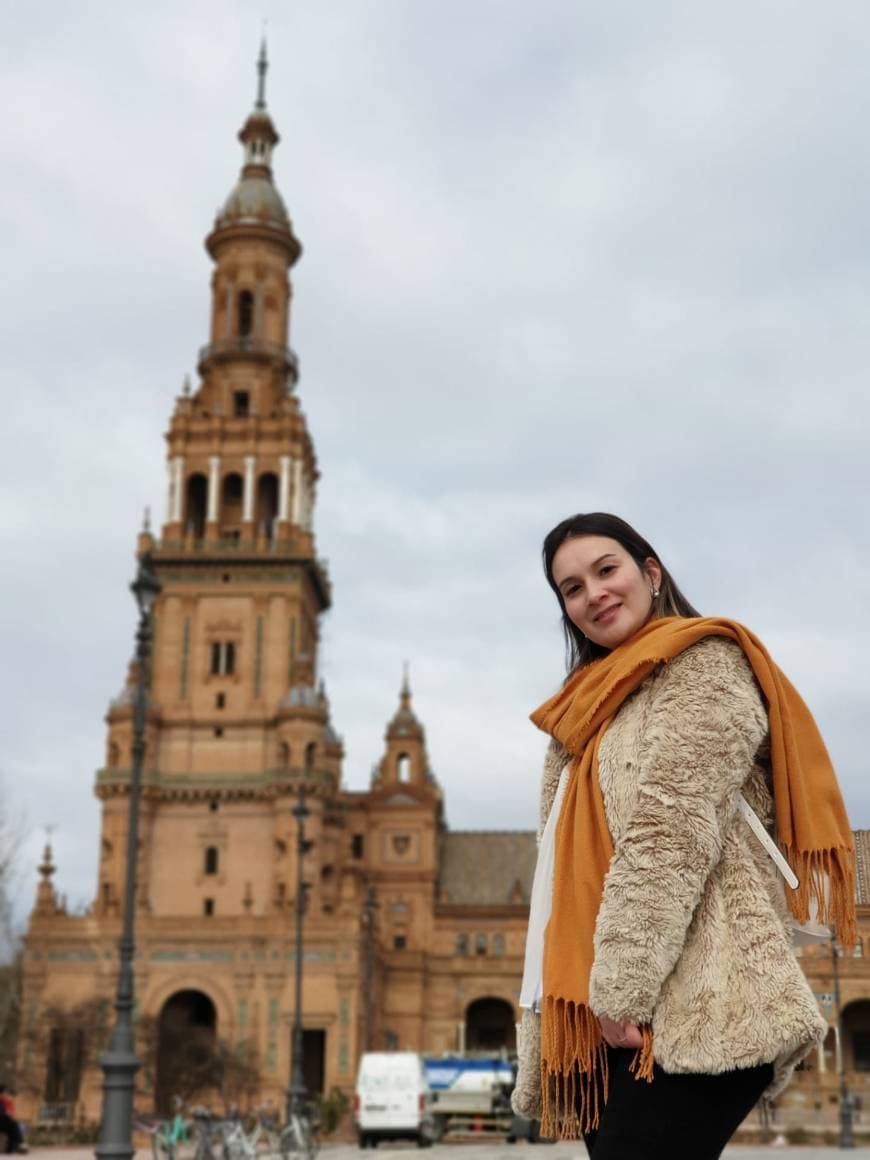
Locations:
column 11, row 836
column 201, row 1068
column 63, row 1044
column 10, row 1017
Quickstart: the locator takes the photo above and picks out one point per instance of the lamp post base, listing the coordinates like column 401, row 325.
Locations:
column 847, row 1135
column 116, row 1131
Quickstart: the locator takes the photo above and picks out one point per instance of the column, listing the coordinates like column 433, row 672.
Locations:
column 309, row 506
column 284, row 489
column 170, row 491
column 248, row 490
column 296, row 516
column 214, row 482
column 258, row 312
column 228, row 322
column 177, row 488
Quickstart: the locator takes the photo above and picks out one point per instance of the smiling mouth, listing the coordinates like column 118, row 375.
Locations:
column 607, row 614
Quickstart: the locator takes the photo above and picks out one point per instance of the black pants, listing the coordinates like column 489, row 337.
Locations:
column 11, row 1131
column 676, row 1117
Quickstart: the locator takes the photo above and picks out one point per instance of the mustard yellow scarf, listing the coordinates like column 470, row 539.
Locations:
column 811, row 824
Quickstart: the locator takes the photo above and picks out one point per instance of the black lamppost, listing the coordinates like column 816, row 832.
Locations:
column 296, row 1093
column 119, row 1063
column 847, row 1137
column 369, row 908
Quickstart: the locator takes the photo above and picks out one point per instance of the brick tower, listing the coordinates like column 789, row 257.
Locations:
column 237, row 720
column 412, row 936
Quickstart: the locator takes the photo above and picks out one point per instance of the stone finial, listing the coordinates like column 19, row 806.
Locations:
column 262, row 66
column 47, row 866
column 46, row 898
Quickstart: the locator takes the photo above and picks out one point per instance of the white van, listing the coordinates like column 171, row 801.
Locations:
column 392, row 1099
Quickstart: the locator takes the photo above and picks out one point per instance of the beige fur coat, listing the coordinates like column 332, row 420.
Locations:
column 693, row 932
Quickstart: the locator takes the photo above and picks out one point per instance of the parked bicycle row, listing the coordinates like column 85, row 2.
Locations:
column 204, row 1136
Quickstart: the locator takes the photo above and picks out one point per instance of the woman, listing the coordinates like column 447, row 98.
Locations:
column 662, row 996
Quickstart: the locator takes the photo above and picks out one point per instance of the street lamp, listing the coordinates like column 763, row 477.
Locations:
column 119, row 1063
column 369, row 908
column 847, row 1138
column 296, row 1093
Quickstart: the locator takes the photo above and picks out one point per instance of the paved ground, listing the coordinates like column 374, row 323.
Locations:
column 500, row 1151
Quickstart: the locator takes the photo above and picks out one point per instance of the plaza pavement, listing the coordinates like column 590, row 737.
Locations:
column 494, row 1151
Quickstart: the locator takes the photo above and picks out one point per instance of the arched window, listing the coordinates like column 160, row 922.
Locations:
column 196, row 505
column 231, row 506
column 246, row 313
column 480, row 944
column 267, row 504
column 211, row 860
column 498, row 945
column 403, row 767
column 310, row 756
column 284, row 755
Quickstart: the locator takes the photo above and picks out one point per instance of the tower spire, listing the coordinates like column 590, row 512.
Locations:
column 262, row 66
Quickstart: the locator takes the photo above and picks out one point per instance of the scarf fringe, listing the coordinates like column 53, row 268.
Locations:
column 826, row 877
column 574, row 1068
column 641, row 1067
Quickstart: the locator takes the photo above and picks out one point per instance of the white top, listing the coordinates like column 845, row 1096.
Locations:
column 541, row 904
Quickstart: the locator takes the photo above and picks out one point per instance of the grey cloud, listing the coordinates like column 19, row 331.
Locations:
column 560, row 257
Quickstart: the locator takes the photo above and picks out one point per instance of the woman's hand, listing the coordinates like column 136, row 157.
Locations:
column 620, row 1034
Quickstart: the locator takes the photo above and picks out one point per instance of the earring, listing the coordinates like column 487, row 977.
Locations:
column 655, row 593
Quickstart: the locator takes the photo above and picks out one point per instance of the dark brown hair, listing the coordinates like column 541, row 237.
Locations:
column 579, row 650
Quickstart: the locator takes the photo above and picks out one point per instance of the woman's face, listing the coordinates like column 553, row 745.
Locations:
column 606, row 594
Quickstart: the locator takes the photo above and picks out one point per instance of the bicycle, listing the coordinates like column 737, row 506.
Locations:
column 300, row 1137
column 258, row 1144
column 165, row 1135
column 209, row 1138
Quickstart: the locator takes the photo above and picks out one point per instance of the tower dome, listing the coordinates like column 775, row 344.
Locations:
column 254, row 200
column 405, row 723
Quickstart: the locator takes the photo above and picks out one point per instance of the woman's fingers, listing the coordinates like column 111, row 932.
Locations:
column 620, row 1034
column 633, row 1035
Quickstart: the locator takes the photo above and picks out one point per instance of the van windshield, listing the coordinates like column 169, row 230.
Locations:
column 394, row 1080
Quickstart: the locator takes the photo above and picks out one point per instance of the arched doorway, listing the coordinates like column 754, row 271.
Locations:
column 489, row 1025
column 186, row 1059
column 856, row 1035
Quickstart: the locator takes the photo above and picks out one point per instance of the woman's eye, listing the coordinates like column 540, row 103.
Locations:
column 607, row 568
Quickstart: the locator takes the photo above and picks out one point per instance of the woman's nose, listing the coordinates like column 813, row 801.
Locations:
column 595, row 591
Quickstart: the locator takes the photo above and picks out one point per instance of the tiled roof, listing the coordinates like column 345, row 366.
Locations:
column 862, row 858
column 486, row 867
column 483, row 867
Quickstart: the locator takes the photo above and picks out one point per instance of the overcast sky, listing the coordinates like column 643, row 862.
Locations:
column 558, row 256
